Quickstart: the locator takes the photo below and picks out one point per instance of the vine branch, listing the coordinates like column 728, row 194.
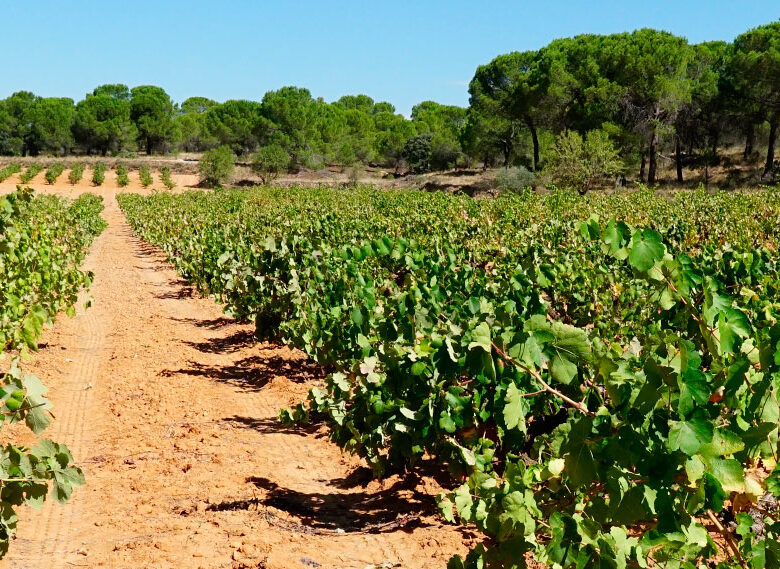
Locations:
column 578, row 405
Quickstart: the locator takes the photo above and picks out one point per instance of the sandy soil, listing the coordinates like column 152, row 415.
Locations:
column 171, row 408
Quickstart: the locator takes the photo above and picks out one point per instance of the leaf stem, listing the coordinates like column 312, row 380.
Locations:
column 579, row 406
column 20, row 409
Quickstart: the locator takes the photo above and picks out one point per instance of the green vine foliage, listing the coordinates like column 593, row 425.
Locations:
column 30, row 173
column 53, row 172
column 165, row 176
column 145, row 176
column 76, row 173
column 98, row 173
column 9, row 170
column 122, row 176
column 43, row 241
column 606, row 391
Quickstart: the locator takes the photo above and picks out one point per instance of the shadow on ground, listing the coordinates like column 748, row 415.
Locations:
column 272, row 425
column 230, row 343
column 251, row 373
column 212, row 324
column 399, row 506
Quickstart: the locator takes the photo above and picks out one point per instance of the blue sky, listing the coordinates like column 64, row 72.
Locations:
column 399, row 51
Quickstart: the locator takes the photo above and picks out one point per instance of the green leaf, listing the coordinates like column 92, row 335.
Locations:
column 696, row 534
column 464, row 502
column 564, row 345
column 480, row 338
column 356, row 316
column 445, row 508
column 732, row 325
column 773, row 482
column 694, row 387
column 447, row 424
column 689, row 436
column 37, row 420
column 514, row 408
column 580, row 466
column 695, row 468
column 408, row 413
column 724, row 443
column 556, row 466
column 514, row 508
column 645, row 249
column 744, row 524
column 728, row 473
column 340, row 380
column 562, row 368
column 614, row 235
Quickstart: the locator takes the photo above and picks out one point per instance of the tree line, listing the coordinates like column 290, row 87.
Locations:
column 309, row 132
column 650, row 93
column 623, row 100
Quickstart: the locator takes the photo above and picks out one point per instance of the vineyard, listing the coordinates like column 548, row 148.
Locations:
column 600, row 375
column 428, row 287
column 43, row 241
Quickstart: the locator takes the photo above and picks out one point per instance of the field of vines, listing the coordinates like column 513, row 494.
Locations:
column 43, row 241
column 599, row 374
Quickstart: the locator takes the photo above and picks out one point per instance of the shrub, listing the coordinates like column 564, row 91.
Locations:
column 353, row 177
column 308, row 159
column 122, row 179
column 270, row 161
column 216, row 166
column 76, row 173
column 146, row 176
column 9, row 171
column 417, row 152
column 165, row 176
column 582, row 164
column 345, row 155
column 444, row 155
column 99, row 174
column 53, row 172
column 516, row 179
column 32, row 171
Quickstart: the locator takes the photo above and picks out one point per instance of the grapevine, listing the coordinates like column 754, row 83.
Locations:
column 602, row 371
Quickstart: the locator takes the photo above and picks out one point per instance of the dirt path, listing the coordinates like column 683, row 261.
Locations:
column 170, row 408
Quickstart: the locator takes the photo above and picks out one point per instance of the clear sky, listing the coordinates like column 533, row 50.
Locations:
column 400, row 51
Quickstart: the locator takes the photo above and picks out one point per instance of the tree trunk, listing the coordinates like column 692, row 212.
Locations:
column 770, row 151
column 535, row 139
column 507, row 144
column 149, row 145
column 652, row 151
column 715, row 146
column 750, row 140
column 642, row 167
column 678, row 158
column 507, row 153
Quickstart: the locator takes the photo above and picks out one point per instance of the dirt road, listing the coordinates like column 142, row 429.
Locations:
column 171, row 408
